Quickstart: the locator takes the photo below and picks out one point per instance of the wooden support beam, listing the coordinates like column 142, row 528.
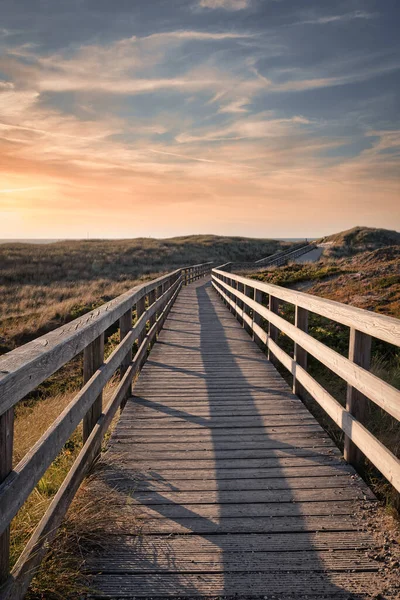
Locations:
column 249, row 292
column 152, row 299
column 93, row 358
column 273, row 331
column 257, row 319
column 125, row 325
column 300, row 355
column 140, row 308
column 356, row 403
column 6, row 452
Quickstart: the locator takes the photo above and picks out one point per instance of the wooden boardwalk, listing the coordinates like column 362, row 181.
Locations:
column 222, row 483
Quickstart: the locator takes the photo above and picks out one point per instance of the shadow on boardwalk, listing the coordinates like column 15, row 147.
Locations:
column 222, row 517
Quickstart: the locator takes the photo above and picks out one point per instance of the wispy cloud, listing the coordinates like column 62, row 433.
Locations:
column 236, row 106
column 225, row 4
column 358, row 14
column 26, row 189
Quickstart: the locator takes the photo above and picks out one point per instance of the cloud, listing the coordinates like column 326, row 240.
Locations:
column 236, row 106
column 246, row 128
column 121, row 67
column 26, row 189
column 225, row 4
column 358, row 14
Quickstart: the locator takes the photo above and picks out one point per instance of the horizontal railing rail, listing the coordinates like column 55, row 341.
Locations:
column 194, row 272
column 23, row 369
column 279, row 258
column 252, row 302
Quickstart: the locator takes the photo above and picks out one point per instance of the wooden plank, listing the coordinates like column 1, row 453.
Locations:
column 125, row 325
column 248, row 433
column 336, row 585
column 183, row 545
column 300, row 355
column 250, row 463
column 210, row 446
column 217, row 422
column 128, row 451
column 6, row 455
column 93, row 358
column 309, row 480
column 129, row 524
column 251, row 496
column 357, row 403
column 221, row 562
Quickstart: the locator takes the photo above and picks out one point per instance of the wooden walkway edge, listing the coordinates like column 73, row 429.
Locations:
column 221, row 482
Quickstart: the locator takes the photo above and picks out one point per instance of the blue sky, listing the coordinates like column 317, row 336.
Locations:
column 266, row 118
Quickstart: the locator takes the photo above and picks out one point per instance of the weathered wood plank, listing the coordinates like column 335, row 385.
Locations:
column 287, row 585
column 221, row 562
column 357, row 403
column 6, row 456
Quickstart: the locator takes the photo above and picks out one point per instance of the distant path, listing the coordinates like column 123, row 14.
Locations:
column 311, row 256
column 221, row 483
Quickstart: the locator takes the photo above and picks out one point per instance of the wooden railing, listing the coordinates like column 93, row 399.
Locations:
column 23, row 369
column 253, row 302
column 282, row 257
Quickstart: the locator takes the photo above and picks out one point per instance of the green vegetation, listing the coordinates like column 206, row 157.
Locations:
column 359, row 239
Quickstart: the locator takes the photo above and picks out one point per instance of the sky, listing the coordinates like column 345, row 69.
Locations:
column 263, row 118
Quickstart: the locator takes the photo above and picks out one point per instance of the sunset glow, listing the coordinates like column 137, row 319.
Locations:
column 248, row 117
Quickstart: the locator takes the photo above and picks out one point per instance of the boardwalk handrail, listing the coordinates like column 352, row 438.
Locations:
column 23, row 369
column 279, row 258
column 246, row 299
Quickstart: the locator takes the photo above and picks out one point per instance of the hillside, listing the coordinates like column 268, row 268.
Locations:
column 359, row 239
column 44, row 286
column 119, row 259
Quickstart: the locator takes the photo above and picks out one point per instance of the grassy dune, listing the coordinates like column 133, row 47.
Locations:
column 44, row 286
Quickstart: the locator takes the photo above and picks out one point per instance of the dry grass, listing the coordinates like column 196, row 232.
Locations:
column 32, row 420
column 44, row 286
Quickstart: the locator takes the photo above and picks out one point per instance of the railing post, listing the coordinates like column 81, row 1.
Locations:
column 125, row 325
column 234, row 285
column 140, row 308
column 159, row 293
column 273, row 331
column 6, row 452
column 246, row 310
column 152, row 299
column 356, row 403
column 300, row 355
column 93, row 358
column 257, row 319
